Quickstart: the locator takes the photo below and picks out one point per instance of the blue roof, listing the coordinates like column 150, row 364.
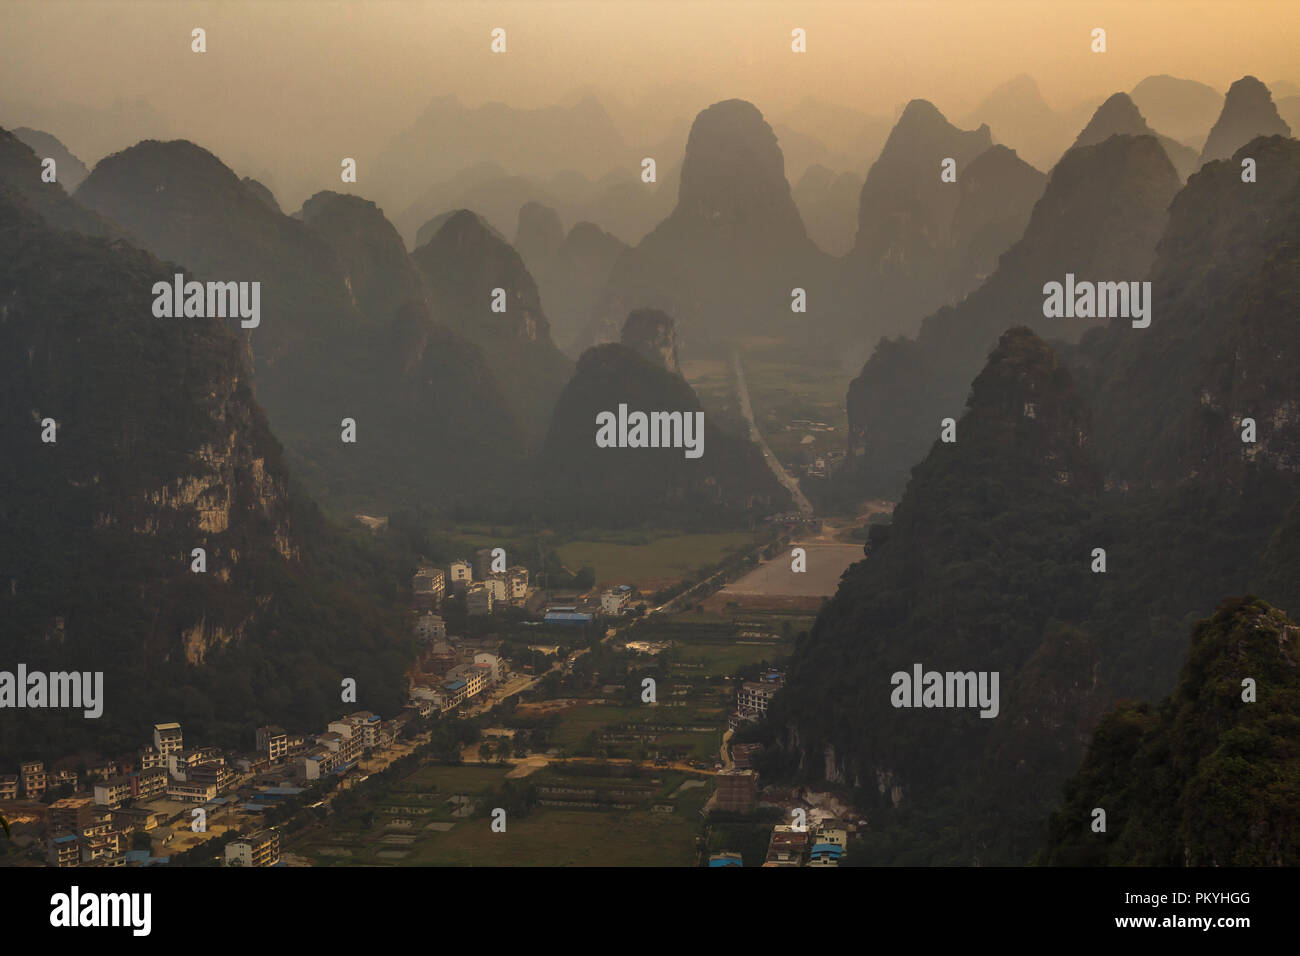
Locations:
column 65, row 839
column 455, row 684
column 567, row 617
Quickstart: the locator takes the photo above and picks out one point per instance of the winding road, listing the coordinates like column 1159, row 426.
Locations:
column 742, row 390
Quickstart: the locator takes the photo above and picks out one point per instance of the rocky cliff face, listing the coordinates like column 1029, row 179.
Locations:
column 1101, row 214
column 20, row 171
column 631, row 485
column 1220, row 347
column 159, row 448
column 1202, row 778
column 340, row 304
column 1123, row 454
column 463, row 264
column 1248, row 112
column 377, row 271
column 71, row 170
column 901, row 264
column 936, row 589
column 1119, row 116
column 540, row 234
column 651, row 335
column 570, row 270
column 729, row 257
column 182, row 203
column 995, row 199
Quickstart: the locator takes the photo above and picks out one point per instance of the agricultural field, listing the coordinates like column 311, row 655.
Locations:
column 676, row 728
column 785, row 385
column 711, row 645
column 598, row 816
column 651, row 562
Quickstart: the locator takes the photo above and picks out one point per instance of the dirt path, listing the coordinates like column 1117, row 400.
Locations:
column 742, row 391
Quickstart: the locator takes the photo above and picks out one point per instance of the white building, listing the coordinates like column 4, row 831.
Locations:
column 460, row 573
column 754, row 696
column 615, row 601
column 111, row 792
column 494, row 664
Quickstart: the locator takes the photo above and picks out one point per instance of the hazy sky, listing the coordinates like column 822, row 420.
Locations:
column 283, row 80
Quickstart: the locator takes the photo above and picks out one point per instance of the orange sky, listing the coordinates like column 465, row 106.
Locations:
column 284, row 79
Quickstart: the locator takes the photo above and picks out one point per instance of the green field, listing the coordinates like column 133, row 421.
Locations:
column 579, row 723
column 667, row 558
column 721, row 659
column 547, row 836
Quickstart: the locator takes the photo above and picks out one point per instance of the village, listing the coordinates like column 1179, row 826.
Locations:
column 551, row 680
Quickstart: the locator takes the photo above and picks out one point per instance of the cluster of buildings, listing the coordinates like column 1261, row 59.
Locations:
column 452, row 671
column 484, row 590
column 335, row 750
column 164, row 782
column 821, row 845
column 584, row 609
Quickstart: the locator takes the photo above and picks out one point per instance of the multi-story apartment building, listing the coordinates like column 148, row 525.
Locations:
column 148, row 784
column 71, row 814
column 479, row 598
column 273, row 743
column 167, row 739
column 754, row 696
column 63, row 850
column 259, row 849
column 459, row 574
column 517, row 585
column 191, row 791
column 430, row 627
column 111, row 792
column 35, row 779
column 615, row 600
column 214, row 772
column 428, row 586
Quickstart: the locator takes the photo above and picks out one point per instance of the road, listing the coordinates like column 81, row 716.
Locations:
column 742, row 391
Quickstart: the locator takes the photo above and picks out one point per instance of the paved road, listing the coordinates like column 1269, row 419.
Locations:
column 742, row 390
